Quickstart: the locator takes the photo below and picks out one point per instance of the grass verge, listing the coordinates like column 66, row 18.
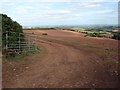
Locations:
column 21, row 56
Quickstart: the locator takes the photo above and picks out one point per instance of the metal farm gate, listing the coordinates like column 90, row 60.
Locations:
column 20, row 42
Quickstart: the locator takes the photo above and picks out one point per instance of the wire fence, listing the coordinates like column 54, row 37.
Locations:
column 20, row 42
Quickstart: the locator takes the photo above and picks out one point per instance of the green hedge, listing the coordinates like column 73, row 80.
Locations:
column 116, row 36
column 8, row 25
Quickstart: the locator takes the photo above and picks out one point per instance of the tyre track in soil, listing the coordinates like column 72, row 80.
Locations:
column 63, row 66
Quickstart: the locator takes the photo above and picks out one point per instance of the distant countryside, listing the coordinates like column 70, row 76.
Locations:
column 105, row 31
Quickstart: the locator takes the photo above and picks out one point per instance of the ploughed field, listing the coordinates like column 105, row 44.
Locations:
column 67, row 60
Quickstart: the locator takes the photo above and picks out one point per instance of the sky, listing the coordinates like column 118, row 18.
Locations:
column 61, row 12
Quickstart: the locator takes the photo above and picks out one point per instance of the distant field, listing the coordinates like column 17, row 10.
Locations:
column 39, row 28
column 114, row 34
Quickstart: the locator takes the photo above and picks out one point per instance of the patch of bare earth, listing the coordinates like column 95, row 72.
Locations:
column 68, row 60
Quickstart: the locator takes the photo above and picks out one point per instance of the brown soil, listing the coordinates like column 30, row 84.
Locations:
column 68, row 60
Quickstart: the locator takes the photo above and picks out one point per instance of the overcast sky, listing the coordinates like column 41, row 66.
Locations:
column 61, row 12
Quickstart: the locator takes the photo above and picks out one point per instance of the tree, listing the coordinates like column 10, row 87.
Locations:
column 116, row 36
column 8, row 26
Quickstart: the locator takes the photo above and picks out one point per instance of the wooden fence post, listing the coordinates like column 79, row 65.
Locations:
column 36, row 42
column 6, row 40
column 29, row 43
column 19, row 44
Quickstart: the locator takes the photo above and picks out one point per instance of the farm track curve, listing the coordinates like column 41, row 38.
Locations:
column 60, row 65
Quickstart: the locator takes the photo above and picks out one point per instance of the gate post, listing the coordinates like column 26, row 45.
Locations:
column 6, row 40
column 19, row 42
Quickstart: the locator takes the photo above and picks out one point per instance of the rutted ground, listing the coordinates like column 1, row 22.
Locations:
column 68, row 59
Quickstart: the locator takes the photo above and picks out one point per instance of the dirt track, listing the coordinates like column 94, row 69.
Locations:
column 69, row 60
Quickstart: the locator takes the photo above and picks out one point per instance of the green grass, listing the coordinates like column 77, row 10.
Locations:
column 93, row 33
column 21, row 56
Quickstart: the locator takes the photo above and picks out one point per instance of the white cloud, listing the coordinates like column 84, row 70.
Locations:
column 9, row 4
column 98, row 0
column 90, row 5
column 64, row 11
column 104, row 11
column 77, row 15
